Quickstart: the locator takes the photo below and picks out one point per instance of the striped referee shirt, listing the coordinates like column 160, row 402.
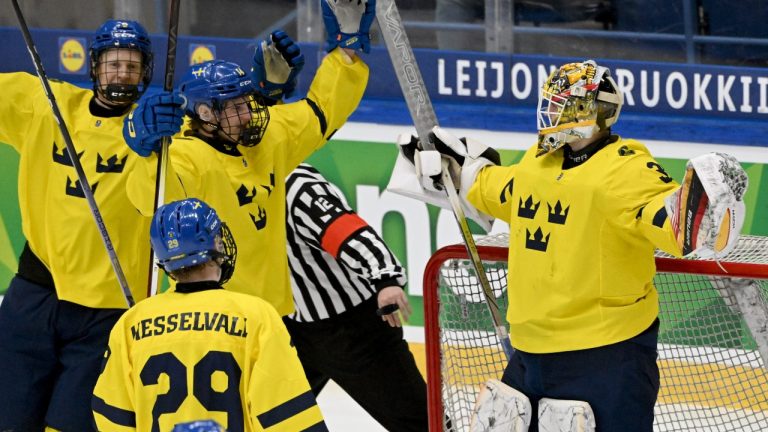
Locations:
column 337, row 260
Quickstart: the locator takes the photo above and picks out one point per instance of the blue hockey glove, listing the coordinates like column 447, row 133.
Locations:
column 155, row 117
column 348, row 23
column 276, row 65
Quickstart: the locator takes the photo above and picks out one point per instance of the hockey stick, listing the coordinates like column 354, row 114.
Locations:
column 162, row 157
column 424, row 118
column 86, row 187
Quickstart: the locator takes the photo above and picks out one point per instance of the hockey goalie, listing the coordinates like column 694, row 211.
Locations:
column 586, row 210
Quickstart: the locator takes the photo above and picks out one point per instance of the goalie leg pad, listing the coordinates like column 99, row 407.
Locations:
column 557, row 415
column 500, row 408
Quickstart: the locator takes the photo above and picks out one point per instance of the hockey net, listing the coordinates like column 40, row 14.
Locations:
column 713, row 338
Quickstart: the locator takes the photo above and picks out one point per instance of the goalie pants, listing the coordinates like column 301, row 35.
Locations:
column 50, row 357
column 620, row 381
column 368, row 359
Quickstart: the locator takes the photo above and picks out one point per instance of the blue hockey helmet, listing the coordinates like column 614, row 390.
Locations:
column 122, row 34
column 213, row 83
column 188, row 233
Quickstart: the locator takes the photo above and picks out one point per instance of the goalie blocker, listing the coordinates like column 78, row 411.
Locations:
column 707, row 211
column 417, row 172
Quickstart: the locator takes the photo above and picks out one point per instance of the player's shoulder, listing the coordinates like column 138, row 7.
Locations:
column 193, row 149
column 628, row 147
column 627, row 153
column 247, row 302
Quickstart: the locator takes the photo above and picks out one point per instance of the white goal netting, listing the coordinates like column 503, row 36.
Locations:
column 714, row 327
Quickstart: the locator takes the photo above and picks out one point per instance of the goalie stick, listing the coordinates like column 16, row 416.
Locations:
column 162, row 157
column 86, row 187
column 424, row 118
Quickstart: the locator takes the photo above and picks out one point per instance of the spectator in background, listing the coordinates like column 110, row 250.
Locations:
column 347, row 287
column 459, row 11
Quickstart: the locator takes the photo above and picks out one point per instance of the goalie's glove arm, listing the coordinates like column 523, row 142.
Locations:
column 707, row 211
column 654, row 221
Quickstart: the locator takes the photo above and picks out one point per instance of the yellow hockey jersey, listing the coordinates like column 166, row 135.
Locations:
column 56, row 219
column 208, row 354
column 581, row 244
column 248, row 189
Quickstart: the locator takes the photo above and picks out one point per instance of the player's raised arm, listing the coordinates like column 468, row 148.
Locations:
column 707, row 211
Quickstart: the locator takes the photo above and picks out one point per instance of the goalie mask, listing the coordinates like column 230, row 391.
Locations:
column 220, row 94
column 188, row 233
column 121, row 61
column 576, row 102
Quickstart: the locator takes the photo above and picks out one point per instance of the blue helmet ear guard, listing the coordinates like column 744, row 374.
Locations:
column 123, row 34
column 188, row 233
column 214, row 82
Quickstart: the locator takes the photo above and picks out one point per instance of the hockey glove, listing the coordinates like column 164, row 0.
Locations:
column 276, row 66
column 465, row 158
column 707, row 211
column 155, row 117
column 348, row 23
column 417, row 173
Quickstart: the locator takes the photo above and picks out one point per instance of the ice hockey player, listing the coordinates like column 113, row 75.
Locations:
column 201, row 351
column 238, row 151
column 586, row 209
column 65, row 298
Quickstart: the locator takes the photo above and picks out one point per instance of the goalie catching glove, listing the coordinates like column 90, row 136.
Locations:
column 417, row 172
column 276, row 65
column 707, row 211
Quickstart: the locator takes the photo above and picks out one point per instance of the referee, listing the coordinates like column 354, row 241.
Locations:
column 347, row 286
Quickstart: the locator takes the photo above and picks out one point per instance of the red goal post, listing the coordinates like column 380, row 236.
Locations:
column 713, row 339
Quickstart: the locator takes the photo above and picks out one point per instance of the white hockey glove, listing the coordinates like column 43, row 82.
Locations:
column 417, row 172
column 707, row 211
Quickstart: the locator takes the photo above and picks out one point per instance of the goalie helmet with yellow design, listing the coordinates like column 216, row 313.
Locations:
column 576, row 102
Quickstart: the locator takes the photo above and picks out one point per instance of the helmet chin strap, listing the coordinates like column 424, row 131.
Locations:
column 120, row 94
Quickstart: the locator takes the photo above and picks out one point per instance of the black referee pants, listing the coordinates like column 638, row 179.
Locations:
column 368, row 359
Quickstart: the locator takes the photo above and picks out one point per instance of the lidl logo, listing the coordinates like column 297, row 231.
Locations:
column 72, row 55
column 199, row 53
